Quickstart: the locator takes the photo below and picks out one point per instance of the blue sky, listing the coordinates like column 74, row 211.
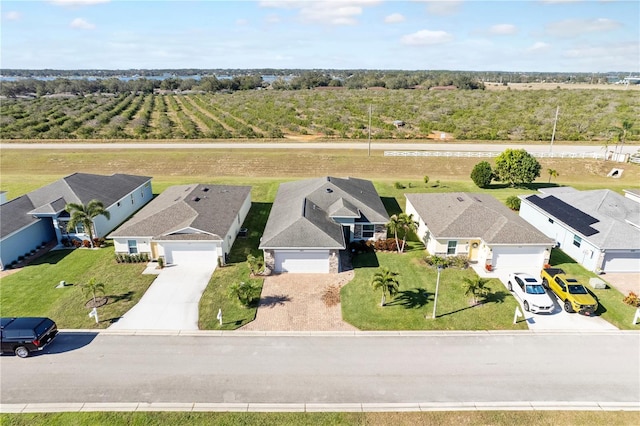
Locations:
column 515, row 35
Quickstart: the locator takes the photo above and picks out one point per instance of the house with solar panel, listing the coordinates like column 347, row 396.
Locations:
column 600, row 228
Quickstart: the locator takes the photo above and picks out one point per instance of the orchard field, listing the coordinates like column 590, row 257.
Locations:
column 505, row 115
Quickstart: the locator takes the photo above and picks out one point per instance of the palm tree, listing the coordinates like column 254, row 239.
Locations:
column 476, row 287
column 407, row 224
column 93, row 288
column 552, row 173
column 84, row 214
column 621, row 133
column 394, row 225
column 387, row 281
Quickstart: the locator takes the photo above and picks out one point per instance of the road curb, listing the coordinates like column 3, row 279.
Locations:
column 320, row 407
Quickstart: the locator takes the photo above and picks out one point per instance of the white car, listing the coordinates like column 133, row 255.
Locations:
column 529, row 289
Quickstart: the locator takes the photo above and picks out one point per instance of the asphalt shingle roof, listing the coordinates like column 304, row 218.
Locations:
column 618, row 217
column 301, row 216
column 75, row 188
column 457, row 215
column 207, row 210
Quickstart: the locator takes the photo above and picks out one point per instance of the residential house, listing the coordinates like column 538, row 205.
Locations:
column 186, row 224
column 312, row 220
column 600, row 228
column 480, row 227
column 39, row 217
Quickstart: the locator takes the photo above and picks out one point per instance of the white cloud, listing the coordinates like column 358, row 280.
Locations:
column 272, row 19
column 13, row 16
column 539, row 46
column 72, row 3
column 344, row 12
column 82, row 24
column 241, row 22
column 503, row 29
column 426, row 37
column 394, row 18
column 575, row 27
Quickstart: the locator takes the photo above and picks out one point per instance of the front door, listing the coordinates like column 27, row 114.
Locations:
column 474, row 250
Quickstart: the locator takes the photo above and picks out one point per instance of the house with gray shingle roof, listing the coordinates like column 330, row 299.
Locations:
column 39, row 217
column 312, row 220
column 480, row 227
column 186, row 224
column 599, row 228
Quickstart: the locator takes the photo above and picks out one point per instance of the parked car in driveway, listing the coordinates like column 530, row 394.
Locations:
column 570, row 291
column 529, row 289
column 22, row 336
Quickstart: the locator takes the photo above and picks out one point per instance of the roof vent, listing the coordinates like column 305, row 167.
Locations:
column 196, row 199
column 460, row 199
column 205, row 189
column 329, row 190
column 477, row 199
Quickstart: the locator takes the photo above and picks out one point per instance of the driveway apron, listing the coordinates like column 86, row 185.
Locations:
column 171, row 302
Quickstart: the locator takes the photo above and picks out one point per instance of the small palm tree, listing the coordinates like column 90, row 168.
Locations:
column 621, row 132
column 394, row 225
column 255, row 264
column 552, row 173
column 408, row 225
column 84, row 214
column 387, row 281
column 246, row 293
column 476, row 287
column 93, row 288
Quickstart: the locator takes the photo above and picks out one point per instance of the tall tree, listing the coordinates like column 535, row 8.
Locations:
column 84, row 214
column 387, row 281
column 394, row 225
column 620, row 134
column 517, row 167
column 93, row 288
column 408, row 225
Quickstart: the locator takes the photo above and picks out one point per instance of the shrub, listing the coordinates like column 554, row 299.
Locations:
column 246, row 293
column 513, row 202
column 161, row 262
column 632, row 299
column 86, row 243
column 426, row 179
column 460, row 261
column 20, row 258
column 398, row 185
column 76, row 243
column 482, row 174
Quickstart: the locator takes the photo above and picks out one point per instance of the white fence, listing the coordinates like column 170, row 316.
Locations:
column 469, row 154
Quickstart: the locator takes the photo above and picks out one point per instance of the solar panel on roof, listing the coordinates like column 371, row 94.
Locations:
column 575, row 218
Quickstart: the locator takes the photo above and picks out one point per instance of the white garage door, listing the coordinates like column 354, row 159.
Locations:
column 520, row 258
column 181, row 253
column 304, row 261
column 622, row 261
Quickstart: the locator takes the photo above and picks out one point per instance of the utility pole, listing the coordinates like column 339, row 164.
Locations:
column 369, row 130
column 553, row 135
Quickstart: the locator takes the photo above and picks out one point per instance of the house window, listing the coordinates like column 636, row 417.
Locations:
column 451, row 247
column 577, row 241
column 133, row 246
column 118, row 203
column 79, row 228
column 550, row 220
column 367, row 231
column 132, row 199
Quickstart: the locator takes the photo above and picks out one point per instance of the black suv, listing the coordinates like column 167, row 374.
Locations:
column 24, row 335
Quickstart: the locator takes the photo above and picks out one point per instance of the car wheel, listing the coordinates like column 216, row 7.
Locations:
column 526, row 306
column 545, row 283
column 509, row 286
column 22, row 352
column 568, row 307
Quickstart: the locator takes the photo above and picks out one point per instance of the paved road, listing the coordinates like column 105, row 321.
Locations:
column 371, row 368
column 395, row 146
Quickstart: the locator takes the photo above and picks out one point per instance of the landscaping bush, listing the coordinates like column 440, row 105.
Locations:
column 482, row 175
column 398, row 185
column 383, row 245
column 86, row 243
column 632, row 299
column 459, row 262
column 513, row 202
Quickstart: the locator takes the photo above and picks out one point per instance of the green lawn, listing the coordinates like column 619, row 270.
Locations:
column 498, row 418
column 32, row 291
column 610, row 304
column 407, row 311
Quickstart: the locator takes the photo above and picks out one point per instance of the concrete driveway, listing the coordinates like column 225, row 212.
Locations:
column 558, row 319
column 171, row 302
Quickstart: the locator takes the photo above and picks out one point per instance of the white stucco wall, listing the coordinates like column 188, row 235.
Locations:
column 587, row 254
column 121, row 210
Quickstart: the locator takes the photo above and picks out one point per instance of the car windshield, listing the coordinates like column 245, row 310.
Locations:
column 534, row 289
column 577, row 289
